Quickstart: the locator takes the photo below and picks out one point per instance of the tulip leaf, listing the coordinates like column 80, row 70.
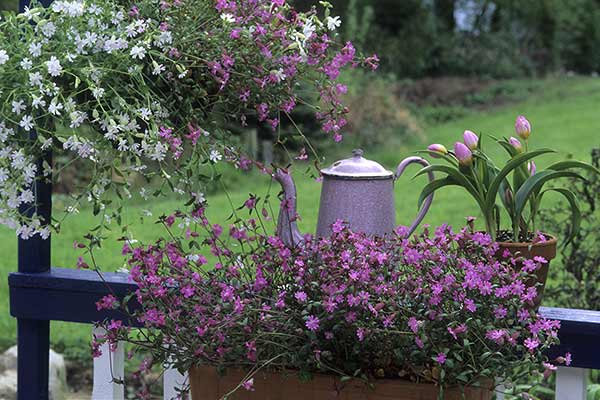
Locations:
column 515, row 162
column 575, row 212
column 443, row 182
column 457, row 176
column 535, row 183
column 562, row 165
column 508, row 147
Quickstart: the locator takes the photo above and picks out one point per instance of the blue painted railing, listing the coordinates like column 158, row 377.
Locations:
column 40, row 294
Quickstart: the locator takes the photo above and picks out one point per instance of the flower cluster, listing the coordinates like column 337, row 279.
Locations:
column 149, row 90
column 440, row 307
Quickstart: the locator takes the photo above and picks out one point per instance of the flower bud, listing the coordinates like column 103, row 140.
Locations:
column 470, row 139
column 522, row 127
column 514, row 142
column 437, row 148
column 531, row 168
column 463, row 154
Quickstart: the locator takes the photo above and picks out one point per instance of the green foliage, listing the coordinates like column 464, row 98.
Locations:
column 578, row 280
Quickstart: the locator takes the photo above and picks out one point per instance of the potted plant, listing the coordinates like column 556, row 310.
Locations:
column 435, row 316
column 469, row 167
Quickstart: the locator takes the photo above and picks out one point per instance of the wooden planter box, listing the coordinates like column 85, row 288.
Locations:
column 206, row 384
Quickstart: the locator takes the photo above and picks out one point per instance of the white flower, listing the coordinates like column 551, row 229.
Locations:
column 26, row 64
column 158, row 68
column 308, row 30
column 47, row 144
column 38, row 102
column 26, row 123
column 70, row 8
column 18, row 107
column 98, row 93
column 48, row 29
column 55, row 107
column 3, row 57
column 333, row 23
column 229, row 18
column 198, row 197
column 215, row 156
column 27, row 196
column 29, row 13
column 143, row 194
column 35, row 79
column 145, row 113
column 54, row 67
column 279, row 75
column 138, row 52
column 3, row 175
column 35, row 49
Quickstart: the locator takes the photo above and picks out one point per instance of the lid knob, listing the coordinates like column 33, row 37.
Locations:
column 358, row 152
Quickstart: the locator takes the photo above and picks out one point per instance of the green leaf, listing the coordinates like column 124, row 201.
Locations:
column 562, row 165
column 508, row 168
column 575, row 212
column 435, row 185
column 535, row 183
column 456, row 176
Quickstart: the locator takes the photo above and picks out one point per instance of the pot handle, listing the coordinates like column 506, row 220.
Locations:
column 401, row 167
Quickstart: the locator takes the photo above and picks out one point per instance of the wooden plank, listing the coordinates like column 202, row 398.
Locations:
column 571, row 383
column 109, row 368
column 67, row 295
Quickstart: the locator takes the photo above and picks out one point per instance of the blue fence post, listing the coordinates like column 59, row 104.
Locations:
column 33, row 336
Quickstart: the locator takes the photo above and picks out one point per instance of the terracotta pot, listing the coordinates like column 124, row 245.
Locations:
column 207, row 384
column 545, row 249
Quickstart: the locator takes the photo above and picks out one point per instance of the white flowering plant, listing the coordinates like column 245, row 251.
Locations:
column 149, row 89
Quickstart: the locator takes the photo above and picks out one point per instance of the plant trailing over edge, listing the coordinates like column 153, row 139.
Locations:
column 437, row 308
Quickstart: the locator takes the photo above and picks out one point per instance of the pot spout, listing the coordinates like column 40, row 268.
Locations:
column 287, row 228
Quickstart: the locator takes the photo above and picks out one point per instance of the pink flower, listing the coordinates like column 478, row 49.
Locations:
column 441, row 358
column 463, row 154
column 437, row 148
column 531, row 344
column 470, row 139
column 300, row 296
column 312, row 323
column 414, row 324
column 514, row 142
column 249, row 385
column 522, row 127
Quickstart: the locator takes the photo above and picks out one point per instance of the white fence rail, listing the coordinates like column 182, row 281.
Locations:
column 109, row 372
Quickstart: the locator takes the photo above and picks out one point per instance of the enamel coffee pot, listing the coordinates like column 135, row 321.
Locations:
column 356, row 190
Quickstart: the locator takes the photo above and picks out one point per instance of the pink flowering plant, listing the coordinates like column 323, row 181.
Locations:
column 437, row 308
column 150, row 88
column 469, row 167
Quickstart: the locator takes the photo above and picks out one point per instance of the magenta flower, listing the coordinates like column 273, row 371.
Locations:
column 248, row 385
column 531, row 168
column 437, row 148
column 312, row 323
column 531, row 344
column 441, row 358
column 470, row 139
column 463, row 154
column 514, row 142
column 522, row 127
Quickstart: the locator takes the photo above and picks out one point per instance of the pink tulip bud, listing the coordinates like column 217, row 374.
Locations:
column 522, row 127
column 470, row 139
column 437, row 148
column 531, row 168
column 463, row 154
column 514, row 142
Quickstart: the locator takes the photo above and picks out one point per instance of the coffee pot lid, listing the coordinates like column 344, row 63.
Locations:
column 357, row 167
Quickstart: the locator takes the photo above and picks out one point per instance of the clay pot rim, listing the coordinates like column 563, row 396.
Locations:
column 552, row 241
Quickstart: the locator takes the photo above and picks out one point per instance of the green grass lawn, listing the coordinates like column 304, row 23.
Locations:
column 564, row 115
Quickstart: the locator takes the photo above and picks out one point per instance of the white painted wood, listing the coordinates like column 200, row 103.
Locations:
column 172, row 379
column 571, row 383
column 500, row 389
column 104, row 386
